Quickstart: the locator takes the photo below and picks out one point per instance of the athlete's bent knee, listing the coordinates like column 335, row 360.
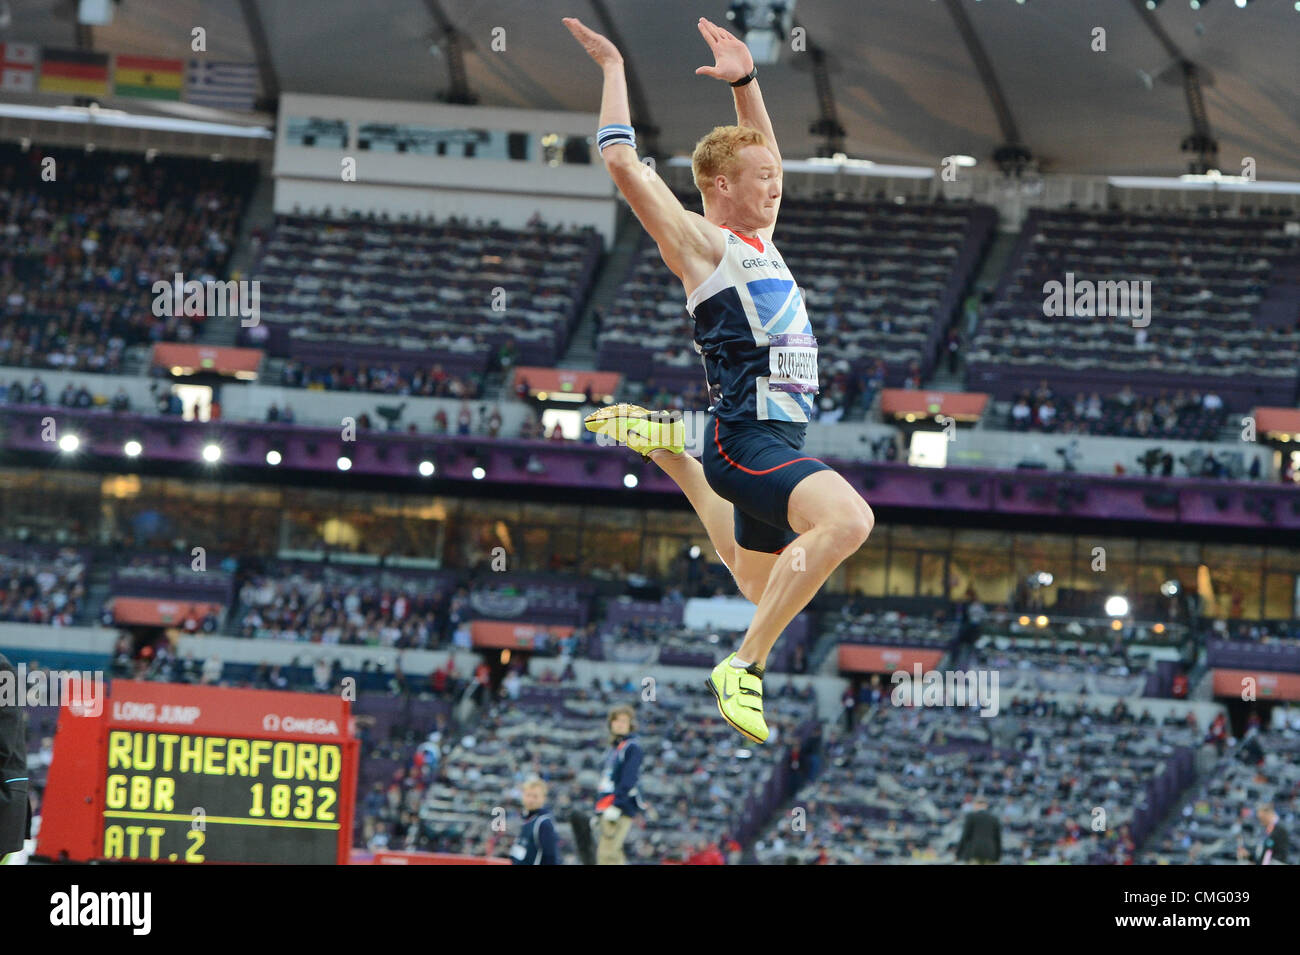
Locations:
column 850, row 531
column 751, row 589
column 870, row 517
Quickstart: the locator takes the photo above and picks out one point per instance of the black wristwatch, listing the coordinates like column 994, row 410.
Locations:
column 753, row 74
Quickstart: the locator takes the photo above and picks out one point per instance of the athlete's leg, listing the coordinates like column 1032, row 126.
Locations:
column 832, row 521
column 751, row 569
column 663, row 441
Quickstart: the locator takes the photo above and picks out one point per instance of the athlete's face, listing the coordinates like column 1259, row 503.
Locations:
column 533, row 798
column 757, row 188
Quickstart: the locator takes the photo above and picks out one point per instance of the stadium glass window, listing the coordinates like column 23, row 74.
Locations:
column 661, row 555
column 547, row 513
column 315, row 132
column 452, row 143
column 472, row 531
column 1161, row 561
column 563, row 557
column 1092, row 587
column 311, row 517
column 610, row 552
column 981, row 562
column 562, row 149
column 900, row 574
column 932, row 574
column 1153, row 575
column 1042, row 553
column 249, row 519
column 611, row 540
column 496, row 541
column 50, row 506
column 919, row 537
column 389, row 524
column 195, row 507
column 1279, row 595
column 620, row 517
column 865, row 570
column 487, row 510
column 1236, row 580
column 1283, row 558
column 535, row 545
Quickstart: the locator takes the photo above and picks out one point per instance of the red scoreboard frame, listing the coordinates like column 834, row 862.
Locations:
column 81, row 783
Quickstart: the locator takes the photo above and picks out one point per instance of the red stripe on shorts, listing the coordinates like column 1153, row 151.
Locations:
column 718, row 442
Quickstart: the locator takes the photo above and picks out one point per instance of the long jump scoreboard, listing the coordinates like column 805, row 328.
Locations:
column 191, row 774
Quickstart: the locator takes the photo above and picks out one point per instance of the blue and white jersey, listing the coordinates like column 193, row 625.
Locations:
column 753, row 333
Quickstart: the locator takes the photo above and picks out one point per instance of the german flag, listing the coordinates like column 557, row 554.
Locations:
column 148, row 77
column 74, row 71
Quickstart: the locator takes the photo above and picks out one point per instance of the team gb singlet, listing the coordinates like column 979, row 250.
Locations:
column 753, row 334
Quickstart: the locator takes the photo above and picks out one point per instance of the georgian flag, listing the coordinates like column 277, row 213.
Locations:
column 18, row 67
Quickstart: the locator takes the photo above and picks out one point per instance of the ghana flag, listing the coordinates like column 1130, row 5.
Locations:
column 74, row 71
column 148, row 77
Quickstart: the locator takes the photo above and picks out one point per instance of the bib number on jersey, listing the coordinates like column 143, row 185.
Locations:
column 793, row 363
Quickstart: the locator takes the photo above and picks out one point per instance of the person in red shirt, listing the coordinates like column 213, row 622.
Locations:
column 709, row 855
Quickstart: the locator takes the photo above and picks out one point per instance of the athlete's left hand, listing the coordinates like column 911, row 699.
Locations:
column 732, row 60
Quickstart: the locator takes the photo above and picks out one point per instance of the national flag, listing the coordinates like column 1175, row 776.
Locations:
column 148, row 77
column 221, row 85
column 18, row 67
column 74, row 71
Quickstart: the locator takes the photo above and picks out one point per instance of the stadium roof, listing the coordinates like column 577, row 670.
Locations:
column 904, row 80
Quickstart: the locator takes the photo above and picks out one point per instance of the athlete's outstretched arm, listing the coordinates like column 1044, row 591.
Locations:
column 732, row 61
column 663, row 216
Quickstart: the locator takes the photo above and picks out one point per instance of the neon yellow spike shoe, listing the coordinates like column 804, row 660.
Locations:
column 640, row 429
column 740, row 698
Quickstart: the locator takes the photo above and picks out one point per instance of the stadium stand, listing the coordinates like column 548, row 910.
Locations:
column 299, row 600
column 414, row 307
column 1182, row 416
column 893, row 789
column 1218, row 814
column 82, row 251
column 1210, row 331
column 42, row 585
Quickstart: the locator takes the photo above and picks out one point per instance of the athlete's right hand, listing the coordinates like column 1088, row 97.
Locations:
column 598, row 47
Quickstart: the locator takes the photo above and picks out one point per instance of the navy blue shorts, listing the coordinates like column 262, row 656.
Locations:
column 756, row 465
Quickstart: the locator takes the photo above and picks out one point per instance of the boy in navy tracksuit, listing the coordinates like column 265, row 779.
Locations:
column 536, row 844
column 618, row 801
column 15, row 810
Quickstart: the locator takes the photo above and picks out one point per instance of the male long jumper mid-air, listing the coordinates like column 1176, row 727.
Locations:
column 781, row 521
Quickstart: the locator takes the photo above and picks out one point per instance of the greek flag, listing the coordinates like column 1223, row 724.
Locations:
column 221, row 85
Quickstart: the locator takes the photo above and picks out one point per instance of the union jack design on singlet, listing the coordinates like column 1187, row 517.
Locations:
column 754, row 337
